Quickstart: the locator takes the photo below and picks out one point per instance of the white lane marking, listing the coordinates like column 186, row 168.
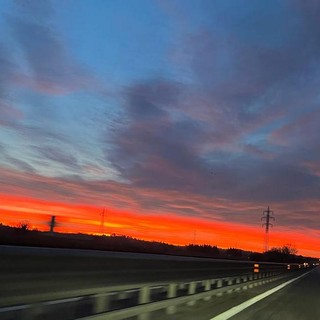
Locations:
column 235, row 310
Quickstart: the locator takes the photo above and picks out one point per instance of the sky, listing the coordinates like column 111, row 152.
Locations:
column 184, row 119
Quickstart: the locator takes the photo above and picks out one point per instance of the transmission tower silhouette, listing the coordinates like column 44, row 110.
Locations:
column 267, row 215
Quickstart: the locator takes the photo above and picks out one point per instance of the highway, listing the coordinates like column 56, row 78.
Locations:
column 299, row 300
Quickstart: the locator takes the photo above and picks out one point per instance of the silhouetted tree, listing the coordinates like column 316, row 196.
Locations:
column 23, row 226
column 289, row 249
column 285, row 253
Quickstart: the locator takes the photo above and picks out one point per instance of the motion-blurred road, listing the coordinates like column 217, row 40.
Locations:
column 299, row 300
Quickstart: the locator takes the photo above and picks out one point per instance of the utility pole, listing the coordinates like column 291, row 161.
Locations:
column 102, row 221
column 267, row 216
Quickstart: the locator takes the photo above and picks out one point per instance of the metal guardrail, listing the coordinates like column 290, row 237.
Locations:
column 138, row 301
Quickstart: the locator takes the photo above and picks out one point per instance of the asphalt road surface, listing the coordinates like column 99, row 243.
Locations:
column 299, row 300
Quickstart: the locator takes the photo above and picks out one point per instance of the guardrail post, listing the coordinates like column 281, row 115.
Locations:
column 144, row 297
column 219, row 285
column 192, row 290
column 101, row 302
column 181, row 286
column 230, row 282
column 171, row 293
column 245, row 279
column 251, row 278
column 207, row 287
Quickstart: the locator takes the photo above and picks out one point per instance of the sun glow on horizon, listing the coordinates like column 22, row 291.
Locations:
column 167, row 227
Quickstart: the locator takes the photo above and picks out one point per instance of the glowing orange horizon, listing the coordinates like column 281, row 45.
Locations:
column 167, row 227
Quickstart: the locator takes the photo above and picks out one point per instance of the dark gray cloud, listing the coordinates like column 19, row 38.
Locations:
column 260, row 45
column 254, row 64
column 247, row 125
column 53, row 69
column 154, row 149
column 151, row 99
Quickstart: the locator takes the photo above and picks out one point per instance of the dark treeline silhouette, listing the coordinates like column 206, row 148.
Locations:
column 205, row 249
column 22, row 235
column 285, row 253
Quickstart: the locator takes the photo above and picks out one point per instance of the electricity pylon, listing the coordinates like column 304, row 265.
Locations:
column 267, row 216
column 102, row 221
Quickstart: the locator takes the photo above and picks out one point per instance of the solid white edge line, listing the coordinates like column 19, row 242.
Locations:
column 235, row 310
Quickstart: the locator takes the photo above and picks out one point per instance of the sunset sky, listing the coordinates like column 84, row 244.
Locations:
column 184, row 119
